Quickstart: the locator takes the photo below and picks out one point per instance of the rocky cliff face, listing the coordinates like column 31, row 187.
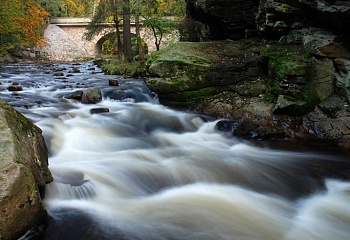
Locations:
column 279, row 58
column 235, row 19
column 23, row 173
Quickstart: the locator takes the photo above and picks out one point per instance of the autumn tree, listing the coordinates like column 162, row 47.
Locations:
column 69, row 8
column 21, row 23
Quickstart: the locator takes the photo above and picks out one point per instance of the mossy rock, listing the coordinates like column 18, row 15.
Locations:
column 287, row 105
column 289, row 74
column 126, row 69
column 286, row 62
column 23, row 173
column 177, row 68
column 189, row 97
column 190, row 66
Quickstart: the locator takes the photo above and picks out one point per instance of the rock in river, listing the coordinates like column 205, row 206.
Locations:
column 23, row 173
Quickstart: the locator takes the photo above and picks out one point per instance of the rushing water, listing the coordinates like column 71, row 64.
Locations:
column 144, row 171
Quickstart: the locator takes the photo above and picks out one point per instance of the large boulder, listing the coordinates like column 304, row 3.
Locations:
column 330, row 120
column 188, row 72
column 23, row 173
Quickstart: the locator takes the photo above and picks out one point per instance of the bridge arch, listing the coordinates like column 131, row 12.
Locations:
column 99, row 46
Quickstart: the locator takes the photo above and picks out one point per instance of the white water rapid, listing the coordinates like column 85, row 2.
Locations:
column 145, row 172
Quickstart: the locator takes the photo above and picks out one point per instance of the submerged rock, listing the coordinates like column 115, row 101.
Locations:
column 99, row 110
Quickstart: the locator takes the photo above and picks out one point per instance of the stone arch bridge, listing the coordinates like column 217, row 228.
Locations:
column 66, row 39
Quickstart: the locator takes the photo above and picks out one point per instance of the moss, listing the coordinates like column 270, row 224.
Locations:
column 190, row 80
column 177, row 70
column 288, row 66
column 127, row 69
column 282, row 7
column 189, row 99
column 284, row 61
column 310, row 96
column 198, row 60
column 15, row 119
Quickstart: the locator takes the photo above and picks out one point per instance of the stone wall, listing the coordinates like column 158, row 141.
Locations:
column 62, row 47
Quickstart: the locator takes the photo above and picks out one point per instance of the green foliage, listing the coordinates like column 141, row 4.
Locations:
column 272, row 91
column 106, row 12
column 134, row 45
column 160, row 25
column 161, row 16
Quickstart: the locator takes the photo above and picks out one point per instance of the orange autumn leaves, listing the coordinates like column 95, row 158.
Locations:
column 22, row 22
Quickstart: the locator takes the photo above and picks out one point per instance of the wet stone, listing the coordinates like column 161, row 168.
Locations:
column 75, row 95
column 74, row 70
column 15, row 87
column 58, row 74
column 99, row 110
column 92, row 96
column 113, row 82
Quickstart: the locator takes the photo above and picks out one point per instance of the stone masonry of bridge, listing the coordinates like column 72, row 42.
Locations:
column 66, row 42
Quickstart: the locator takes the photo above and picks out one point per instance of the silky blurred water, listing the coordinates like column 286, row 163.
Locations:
column 145, row 171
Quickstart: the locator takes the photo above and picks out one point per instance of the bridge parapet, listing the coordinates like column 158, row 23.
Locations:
column 70, row 21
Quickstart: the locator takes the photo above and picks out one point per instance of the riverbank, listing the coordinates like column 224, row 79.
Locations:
column 264, row 90
column 248, row 107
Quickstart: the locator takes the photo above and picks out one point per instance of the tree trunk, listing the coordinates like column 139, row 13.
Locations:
column 119, row 41
column 157, row 40
column 126, row 30
column 138, row 36
column 117, row 31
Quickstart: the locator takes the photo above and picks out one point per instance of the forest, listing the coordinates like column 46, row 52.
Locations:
column 22, row 23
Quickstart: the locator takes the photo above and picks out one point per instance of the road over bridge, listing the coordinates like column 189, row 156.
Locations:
column 66, row 39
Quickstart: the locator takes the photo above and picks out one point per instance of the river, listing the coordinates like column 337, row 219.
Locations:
column 142, row 171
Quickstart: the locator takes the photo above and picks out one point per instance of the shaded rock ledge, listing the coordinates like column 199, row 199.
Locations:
column 267, row 90
column 23, row 173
